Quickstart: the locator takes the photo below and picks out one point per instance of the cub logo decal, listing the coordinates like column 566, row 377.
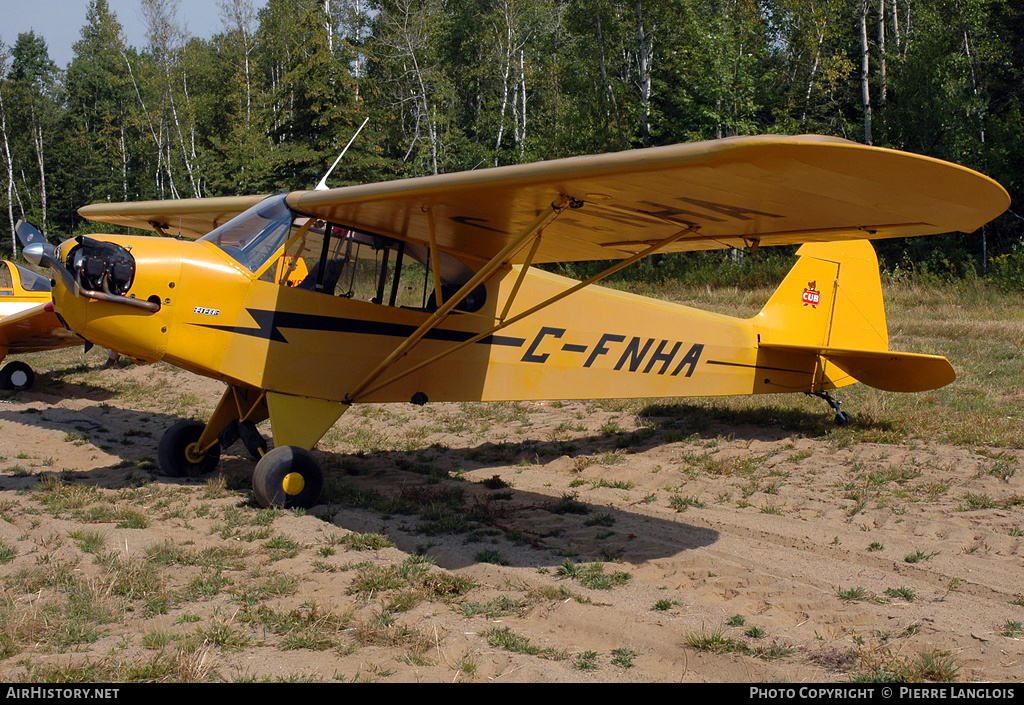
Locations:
column 811, row 296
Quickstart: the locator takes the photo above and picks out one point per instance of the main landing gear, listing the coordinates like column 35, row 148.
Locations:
column 180, row 455
column 286, row 477
column 842, row 417
column 16, row 376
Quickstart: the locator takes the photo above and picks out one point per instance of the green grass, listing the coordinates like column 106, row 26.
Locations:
column 857, row 594
column 593, row 576
column 902, row 593
column 681, row 504
column 505, row 638
column 716, row 641
column 1013, row 628
column 973, row 325
column 623, row 657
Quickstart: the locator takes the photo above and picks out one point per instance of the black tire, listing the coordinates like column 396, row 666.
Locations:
column 17, row 376
column 287, row 477
column 843, row 419
column 172, row 451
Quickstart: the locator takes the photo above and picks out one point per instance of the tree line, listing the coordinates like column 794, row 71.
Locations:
column 267, row 103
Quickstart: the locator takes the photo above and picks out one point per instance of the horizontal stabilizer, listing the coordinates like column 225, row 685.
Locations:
column 884, row 369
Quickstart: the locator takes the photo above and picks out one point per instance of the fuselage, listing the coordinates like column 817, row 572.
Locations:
column 218, row 318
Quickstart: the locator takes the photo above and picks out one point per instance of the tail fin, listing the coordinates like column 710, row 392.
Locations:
column 830, row 305
column 831, row 298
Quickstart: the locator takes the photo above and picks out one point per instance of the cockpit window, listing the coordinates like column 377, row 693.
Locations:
column 32, row 281
column 356, row 265
column 338, row 261
column 252, row 237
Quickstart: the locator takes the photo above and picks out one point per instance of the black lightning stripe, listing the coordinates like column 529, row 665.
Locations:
column 755, row 367
column 270, row 324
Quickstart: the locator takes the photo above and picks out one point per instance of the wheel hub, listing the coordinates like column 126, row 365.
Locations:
column 192, row 453
column 19, row 379
column 293, row 483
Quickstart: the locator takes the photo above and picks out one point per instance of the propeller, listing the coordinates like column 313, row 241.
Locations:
column 29, row 235
column 42, row 254
column 38, row 251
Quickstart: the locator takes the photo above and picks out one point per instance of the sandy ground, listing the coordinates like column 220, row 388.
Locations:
column 779, row 542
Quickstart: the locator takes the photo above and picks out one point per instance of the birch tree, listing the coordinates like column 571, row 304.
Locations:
column 240, row 20
column 512, row 33
column 166, row 40
column 8, row 163
column 405, row 48
column 865, row 83
column 99, row 100
column 34, row 83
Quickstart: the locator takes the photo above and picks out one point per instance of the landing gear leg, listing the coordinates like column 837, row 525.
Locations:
column 191, row 448
column 842, row 417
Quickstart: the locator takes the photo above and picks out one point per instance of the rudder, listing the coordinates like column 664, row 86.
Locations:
column 832, row 297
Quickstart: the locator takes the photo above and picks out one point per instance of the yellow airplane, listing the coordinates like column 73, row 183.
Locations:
column 27, row 320
column 426, row 289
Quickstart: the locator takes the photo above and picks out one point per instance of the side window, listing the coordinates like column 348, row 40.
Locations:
column 370, row 268
column 6, row 284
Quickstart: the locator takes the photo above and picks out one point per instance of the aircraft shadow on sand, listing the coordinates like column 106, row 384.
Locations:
column 412, row 496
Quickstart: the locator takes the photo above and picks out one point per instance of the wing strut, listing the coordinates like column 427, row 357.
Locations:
column 519, row 280
column 485, row 272
column 504, row 323
column 435, row 261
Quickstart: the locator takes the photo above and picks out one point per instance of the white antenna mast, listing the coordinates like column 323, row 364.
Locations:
column 322, row 186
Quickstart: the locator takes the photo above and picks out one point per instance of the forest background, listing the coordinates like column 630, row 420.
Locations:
column 267, row 104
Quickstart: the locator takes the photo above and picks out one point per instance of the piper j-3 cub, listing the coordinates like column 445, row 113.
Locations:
column 425, row 289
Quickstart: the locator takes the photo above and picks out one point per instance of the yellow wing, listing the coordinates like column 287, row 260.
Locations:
column 27, row 320
column 186, row 217
column 769, row 190
column 736, row 192
column 34, row 329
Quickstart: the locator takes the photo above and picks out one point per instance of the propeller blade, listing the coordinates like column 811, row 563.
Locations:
column 29, row 234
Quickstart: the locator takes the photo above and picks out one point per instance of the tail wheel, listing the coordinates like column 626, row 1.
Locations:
column 16, row 376
column 179, row 454
column 287, row 477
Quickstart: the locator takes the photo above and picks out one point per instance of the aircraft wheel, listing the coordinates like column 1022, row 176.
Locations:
column 843, row 419
column 287, row 477
column 176, row 451
column 16, row 376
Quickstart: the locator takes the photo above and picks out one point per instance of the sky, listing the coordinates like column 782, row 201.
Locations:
column 60, row 22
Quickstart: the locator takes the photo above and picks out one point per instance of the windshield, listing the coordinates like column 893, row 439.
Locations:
column 252, row 237
column 31, row 281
